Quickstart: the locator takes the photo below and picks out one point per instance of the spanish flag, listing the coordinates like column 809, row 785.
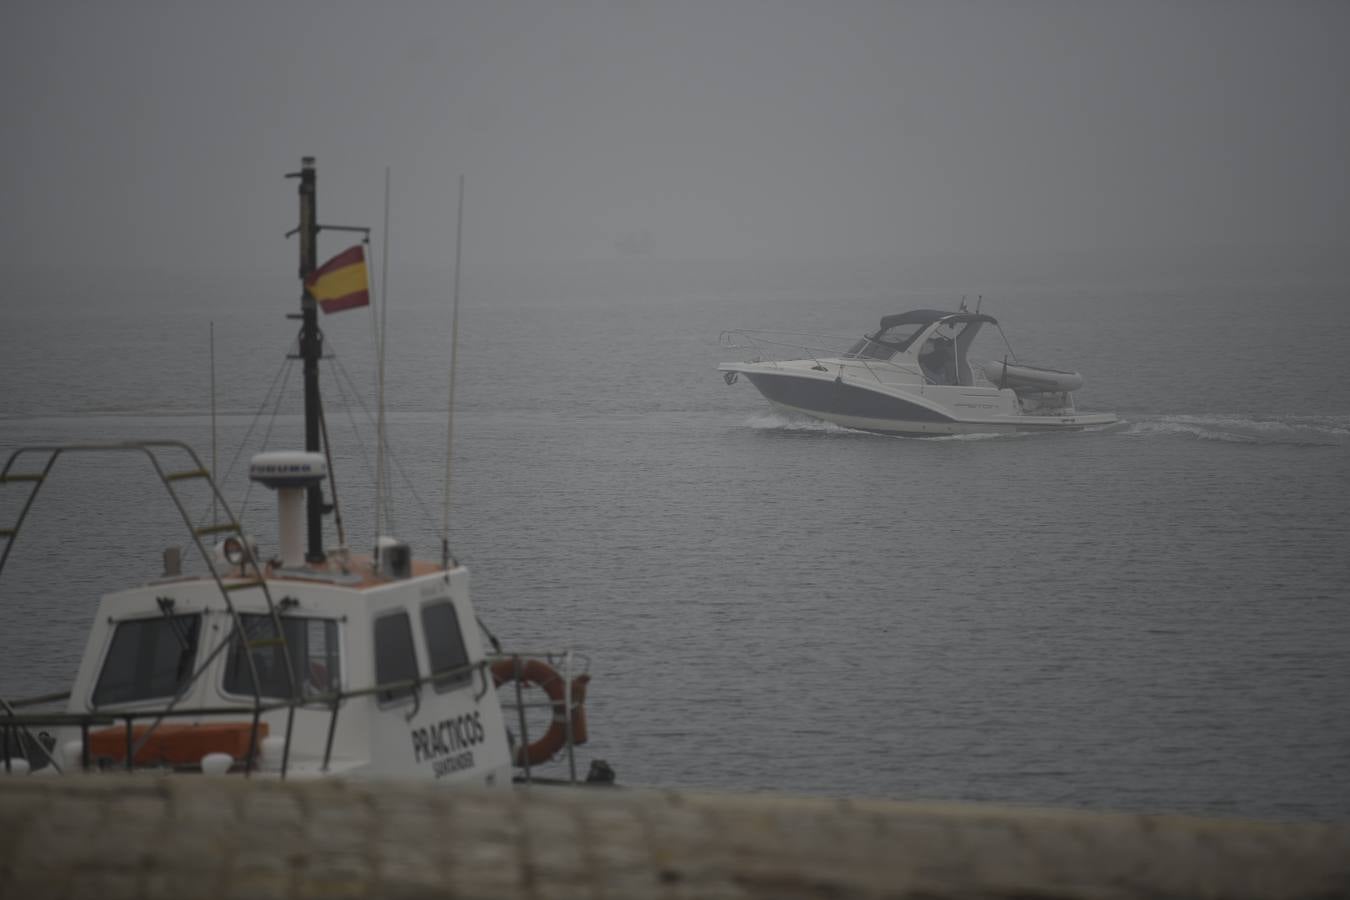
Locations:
column 340, row 283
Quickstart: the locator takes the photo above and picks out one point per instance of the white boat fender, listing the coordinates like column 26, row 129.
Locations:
column 216, row 763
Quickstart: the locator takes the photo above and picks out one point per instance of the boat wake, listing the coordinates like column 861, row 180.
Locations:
column 783, row 422
column 984, row 436
column 777, row 421
column 1285, row 431
column 1290, row 431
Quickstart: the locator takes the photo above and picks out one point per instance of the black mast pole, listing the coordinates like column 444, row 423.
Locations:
column 311, row 350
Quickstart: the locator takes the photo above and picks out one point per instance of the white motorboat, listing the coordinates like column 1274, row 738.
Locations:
column 913, row 376
column 308, row 661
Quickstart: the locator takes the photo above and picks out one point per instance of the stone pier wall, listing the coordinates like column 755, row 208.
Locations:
column 110, row 837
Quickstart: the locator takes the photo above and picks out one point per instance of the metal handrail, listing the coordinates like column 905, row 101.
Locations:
column 197, row 471
column 758, row 342
column 331, row 699
column 815, row 354
column 258, row 580
column 44, row 698
column 565, row 659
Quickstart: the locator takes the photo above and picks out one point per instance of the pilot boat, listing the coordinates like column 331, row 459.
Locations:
column 304, row 662
column 914, row 375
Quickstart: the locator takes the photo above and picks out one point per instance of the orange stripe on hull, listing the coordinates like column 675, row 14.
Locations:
column 176, row 745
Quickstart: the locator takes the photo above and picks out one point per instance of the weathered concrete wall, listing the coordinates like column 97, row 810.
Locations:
column 109, row 837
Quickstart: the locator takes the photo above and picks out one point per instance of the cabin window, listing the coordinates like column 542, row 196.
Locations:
column 148, row 658
column 869, row 349
column 395, row 657
column 445, row 645
column 885, row 344
column 899, row 337
column 313, row 647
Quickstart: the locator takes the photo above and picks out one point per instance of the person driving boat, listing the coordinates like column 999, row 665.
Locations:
column 938, row 360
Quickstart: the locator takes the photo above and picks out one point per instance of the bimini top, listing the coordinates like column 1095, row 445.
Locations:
column 929, row 316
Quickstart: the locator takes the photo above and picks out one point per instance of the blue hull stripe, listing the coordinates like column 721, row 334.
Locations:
column 816, row 395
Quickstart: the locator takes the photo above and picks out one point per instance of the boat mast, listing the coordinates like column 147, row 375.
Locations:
column 311, row 350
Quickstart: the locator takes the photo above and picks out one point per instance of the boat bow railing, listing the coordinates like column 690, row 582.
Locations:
column 773, row 347
column 567, row 661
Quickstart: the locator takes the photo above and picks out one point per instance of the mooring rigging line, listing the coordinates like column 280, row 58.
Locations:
column 282, row 370
column 348, row 393
column 346, row 405
column 393, row 458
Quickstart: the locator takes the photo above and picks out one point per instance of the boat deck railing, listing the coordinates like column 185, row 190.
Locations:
column 17, row 739
column 775, row 346
column 784, row 346
column 772, row 347
column 567, row 662
column 178, row 467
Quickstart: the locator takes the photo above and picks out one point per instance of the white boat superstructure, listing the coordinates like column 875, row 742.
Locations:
column 914, row 375
column 349, row 666
column 311, row 662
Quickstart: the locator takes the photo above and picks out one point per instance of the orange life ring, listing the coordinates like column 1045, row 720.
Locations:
column 544, row 676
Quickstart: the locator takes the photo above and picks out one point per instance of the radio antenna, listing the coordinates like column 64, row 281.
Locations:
column 454, row 362
column 380, row 423
column 213, row 418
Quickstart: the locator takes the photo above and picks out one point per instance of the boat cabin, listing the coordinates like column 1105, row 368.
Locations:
column 939, row 341
column 432, row 710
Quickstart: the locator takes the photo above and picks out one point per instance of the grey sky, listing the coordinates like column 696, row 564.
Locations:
column 157, row 133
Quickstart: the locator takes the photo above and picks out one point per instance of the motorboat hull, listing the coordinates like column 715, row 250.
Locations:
column 915, row 375
column 919, row 411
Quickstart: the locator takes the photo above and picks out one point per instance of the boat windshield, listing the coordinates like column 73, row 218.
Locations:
column 313, row 646
column 148, row 658
column 885, row 344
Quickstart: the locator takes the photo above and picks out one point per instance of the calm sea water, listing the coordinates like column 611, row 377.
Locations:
column 1153, row 617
